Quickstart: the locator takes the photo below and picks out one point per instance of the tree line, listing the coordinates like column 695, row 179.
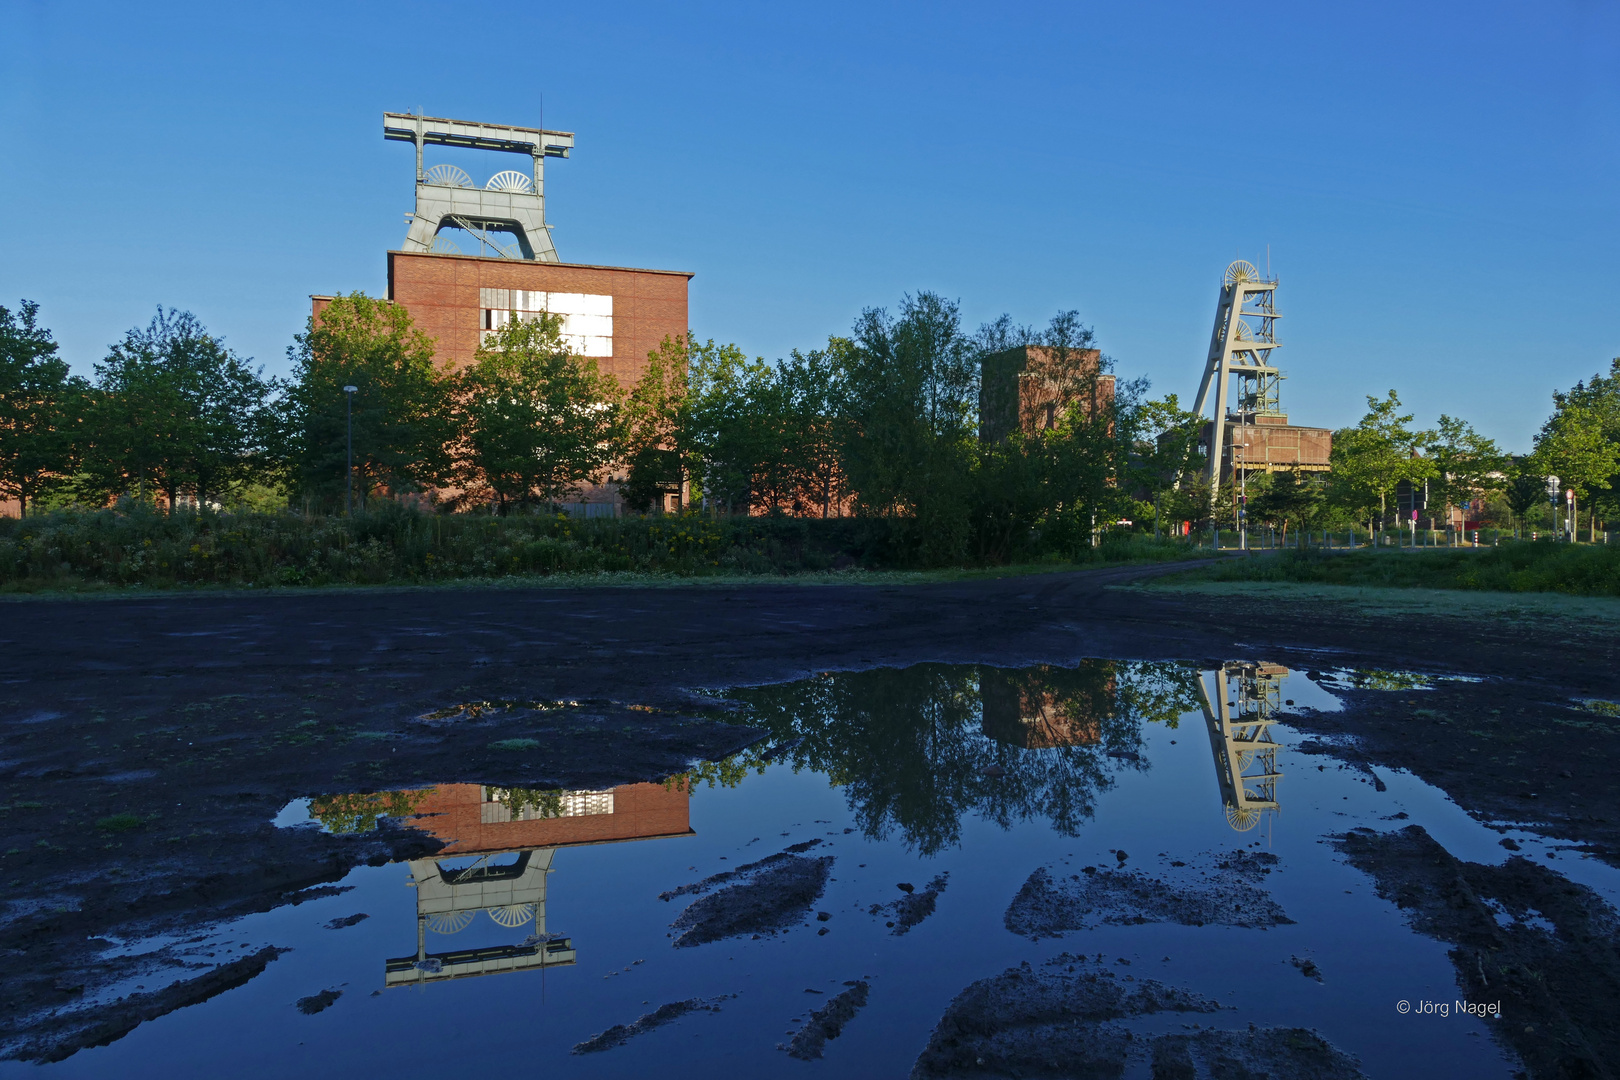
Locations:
column 1453, row 467
column 882, row 422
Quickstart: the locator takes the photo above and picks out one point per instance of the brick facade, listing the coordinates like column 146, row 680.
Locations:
column 1272, row 444
column 1029, row 388
column 442, row 293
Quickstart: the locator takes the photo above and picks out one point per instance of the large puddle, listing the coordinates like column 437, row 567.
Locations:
column 1147, row 836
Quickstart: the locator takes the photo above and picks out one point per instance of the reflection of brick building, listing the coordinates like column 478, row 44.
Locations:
column 497, row 860
column 1043, row 707
column 474, row 818
column 1028, row 389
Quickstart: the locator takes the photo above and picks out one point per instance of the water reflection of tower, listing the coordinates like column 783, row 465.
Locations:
column 1239, row 700
column 499, row 850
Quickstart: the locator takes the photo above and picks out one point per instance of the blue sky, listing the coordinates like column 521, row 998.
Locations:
column 1437, row 183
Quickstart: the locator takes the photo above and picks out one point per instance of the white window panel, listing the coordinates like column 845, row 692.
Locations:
column 587, row 803
column 592, row 346
column 566, row 303
column 593, row 304
column 588, row 325
column 494, row 811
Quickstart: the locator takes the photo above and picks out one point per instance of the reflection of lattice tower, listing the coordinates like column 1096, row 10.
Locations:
column 1240, row 345
column 511, row 204
column 1239, row 700
column 448, row 897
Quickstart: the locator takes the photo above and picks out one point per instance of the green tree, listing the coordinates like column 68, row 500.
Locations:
column 1290, row 498
column 1598, row 402
column 659, row 456
column 1573, row 446
column 1467, row 465
column 1165, row 450
column 174, row 412
column 814, row 386
column 912, row 398
column 1526, row 488
column 739, row 430
column 39, row 408
column 536, row 422
column 1372, row 459
column 402, row 427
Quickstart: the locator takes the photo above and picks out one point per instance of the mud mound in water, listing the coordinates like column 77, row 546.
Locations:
column 828, row 1022
column 1064, row 1019
column 619, row 1034
column 764, row 897
column 1526, row 939
column 1275, row 1053
column 1220, row 890
column 913, row 907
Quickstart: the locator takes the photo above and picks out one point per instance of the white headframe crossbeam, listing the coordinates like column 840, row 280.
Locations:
column 447, row 198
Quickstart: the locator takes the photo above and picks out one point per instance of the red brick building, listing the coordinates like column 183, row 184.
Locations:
column 616, row 315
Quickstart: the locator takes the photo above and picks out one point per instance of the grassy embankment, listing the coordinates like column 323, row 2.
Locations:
column 144, row 549
column 1515, row 567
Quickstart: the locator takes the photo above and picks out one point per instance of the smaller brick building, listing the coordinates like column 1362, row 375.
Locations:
column 1028, row 388
column 1267, row 442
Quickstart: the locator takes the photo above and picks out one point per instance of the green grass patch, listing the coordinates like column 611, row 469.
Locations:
column 118, row 823
column 1514, row 567
column 515, row 744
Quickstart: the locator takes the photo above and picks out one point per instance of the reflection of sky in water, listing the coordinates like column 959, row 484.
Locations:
column 986, row 774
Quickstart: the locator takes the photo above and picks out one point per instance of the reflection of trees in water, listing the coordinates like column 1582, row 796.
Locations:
column 913, row 747
column 542, row 802
column 357, row 812
column 1378, row 679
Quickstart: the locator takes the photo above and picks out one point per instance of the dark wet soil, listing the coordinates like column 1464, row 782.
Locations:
column 145, row 744
column 1528, row 944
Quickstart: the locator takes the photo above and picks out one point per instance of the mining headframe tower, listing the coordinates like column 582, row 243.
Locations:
column 614, row 314
column 1249, row 432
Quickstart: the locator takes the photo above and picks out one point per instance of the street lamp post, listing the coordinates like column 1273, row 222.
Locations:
column 1243, row 495
column 348, row 498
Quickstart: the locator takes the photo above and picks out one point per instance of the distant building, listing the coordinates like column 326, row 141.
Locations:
column 1029, row 388
column 1256, row 442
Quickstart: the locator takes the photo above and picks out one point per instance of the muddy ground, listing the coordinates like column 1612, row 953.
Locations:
column 146, row 743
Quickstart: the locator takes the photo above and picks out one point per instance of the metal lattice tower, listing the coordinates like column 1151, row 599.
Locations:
column 1238, row 701
column 1240, row 345
column 511, row 203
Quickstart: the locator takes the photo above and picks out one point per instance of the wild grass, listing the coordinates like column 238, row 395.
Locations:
column 1515, row 567
column 140, row 548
